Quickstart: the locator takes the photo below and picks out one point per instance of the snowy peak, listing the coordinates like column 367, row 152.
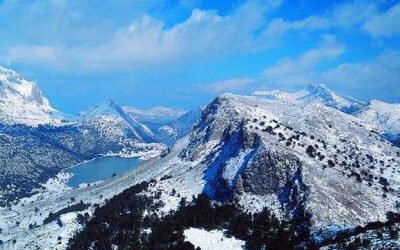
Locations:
column 114, row 112
column 384, row 117
column 105, row 108
column 320, row 89
column 277, row 95
column 314, row 93
column 320, row 93
column 22, row 102
column 28, row 90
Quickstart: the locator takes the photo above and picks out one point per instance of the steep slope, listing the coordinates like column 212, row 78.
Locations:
column 384, row 117
column 296, row 156
column 21, row 102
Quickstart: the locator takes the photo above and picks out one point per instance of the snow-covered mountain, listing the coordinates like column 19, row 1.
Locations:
column 167, row 125
column 289, row 152
column 315, row 93
column 110, row 112
column 38, row 141
column 156, row 115
column 270, row 149
column 384, row 117
column 22, row 102
column 254, row 153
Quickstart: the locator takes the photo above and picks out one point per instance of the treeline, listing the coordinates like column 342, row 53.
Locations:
column 119, row 222
column 259, row 231
column 345, row 241
column 72, row 208
column 129, row 221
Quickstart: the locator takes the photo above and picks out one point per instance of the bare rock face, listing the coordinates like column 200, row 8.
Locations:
column 269, row 172
column 216, row 124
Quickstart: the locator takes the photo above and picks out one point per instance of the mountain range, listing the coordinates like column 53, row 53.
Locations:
column 310, row 152
column 38, row 140
column 383, row 117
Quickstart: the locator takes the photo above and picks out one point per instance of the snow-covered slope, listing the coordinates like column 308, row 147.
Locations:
column 273, row 150
column 210, row 240
column 384, row 117
column 22, row 102
column 315, row 93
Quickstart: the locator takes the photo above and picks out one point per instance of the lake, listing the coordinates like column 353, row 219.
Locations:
column 99, row 169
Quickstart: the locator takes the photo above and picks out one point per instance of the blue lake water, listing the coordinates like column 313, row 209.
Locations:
column 99, row 169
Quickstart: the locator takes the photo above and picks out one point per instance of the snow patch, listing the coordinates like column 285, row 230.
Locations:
column 211, row 240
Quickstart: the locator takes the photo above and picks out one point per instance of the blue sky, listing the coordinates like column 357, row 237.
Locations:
column 146, row 53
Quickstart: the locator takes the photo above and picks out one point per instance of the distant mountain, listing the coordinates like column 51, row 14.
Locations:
column 167, row 125
column 21, row 102
column 384, row 117
column 109, row 111
column 38, row 141
column 174, row 130
column 156, row 115
column 315, row 93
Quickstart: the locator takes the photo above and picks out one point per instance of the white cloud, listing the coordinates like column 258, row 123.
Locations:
column 385, row 24
column 233, row 84
column 343, row 16
column 377, row 77
column 301, row 70
column 380, row 75
column 148, row 41
column 33, row 54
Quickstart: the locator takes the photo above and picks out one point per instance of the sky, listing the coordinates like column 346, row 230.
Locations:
column 147, row 53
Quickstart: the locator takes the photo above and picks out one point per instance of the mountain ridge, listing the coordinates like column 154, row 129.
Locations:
column 371, row 112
